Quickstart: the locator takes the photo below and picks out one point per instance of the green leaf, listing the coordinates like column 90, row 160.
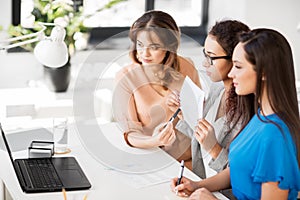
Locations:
column 48, row 11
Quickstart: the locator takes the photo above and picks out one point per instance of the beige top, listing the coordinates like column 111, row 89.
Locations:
column 139, row 100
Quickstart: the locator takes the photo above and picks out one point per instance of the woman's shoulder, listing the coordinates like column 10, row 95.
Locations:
column 272, row 122
column 187, row 68
column 272, row 128
column 186, row 64
column 128, row 70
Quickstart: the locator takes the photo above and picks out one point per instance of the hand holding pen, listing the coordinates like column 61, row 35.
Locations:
column 173, row 117
column 181, row 185
column 164, row 134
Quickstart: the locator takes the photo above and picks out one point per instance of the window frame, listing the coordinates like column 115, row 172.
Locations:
column 198, row 33
column 99, row 34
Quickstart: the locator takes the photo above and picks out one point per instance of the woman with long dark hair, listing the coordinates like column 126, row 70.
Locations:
column 264, row 156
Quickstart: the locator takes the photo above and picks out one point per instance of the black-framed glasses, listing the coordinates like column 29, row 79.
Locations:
column 210, row 59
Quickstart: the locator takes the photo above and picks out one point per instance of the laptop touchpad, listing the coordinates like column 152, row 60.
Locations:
column 70, row 172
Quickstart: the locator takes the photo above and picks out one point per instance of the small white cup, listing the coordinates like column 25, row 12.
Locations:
column 60, row 135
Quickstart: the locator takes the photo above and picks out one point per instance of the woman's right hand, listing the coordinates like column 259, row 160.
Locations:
column 185, row 188
column 164, row 134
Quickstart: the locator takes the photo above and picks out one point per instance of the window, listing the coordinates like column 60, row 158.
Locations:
column 120, row 15
column 190, row 15
column 185, row 12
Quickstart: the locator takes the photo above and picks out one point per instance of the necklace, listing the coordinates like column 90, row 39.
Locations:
column 152, row 73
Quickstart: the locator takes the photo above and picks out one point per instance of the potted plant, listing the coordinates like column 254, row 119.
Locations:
column 63, row 13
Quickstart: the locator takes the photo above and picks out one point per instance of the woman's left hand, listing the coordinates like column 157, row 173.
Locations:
column 173, row 102
column 205, row 134
column 202, row 193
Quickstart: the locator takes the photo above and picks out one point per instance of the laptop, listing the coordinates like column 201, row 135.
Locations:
column 48, row 174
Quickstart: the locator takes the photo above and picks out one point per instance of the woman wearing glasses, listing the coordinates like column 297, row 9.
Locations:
column 139, row 101
column 221, row 120
column 264, row 157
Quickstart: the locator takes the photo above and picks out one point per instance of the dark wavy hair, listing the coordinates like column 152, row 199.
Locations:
column 271, row 55
column 164, row 26
column 239, row 109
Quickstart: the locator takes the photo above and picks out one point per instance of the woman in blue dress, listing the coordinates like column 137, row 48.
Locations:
column 263, row 157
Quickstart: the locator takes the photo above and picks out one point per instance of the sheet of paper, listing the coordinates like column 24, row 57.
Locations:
column 142, row 180
column 114, row 135
column 136, row 180
column 191, row 100
column 114, row 153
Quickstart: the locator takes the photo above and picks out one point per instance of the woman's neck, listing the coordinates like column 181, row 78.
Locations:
column 152, row 72
column 265, row 103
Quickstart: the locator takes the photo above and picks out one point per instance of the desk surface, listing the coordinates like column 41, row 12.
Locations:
column 15, row 103
column 106, row 182
column 35, row 105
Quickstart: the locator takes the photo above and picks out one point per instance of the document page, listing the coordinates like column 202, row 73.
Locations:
column 191, row 101
column 142, row 180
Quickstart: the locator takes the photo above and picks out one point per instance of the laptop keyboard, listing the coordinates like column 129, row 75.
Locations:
column 43, row 173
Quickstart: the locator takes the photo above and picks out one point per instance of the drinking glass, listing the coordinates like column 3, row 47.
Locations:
column 60, row 135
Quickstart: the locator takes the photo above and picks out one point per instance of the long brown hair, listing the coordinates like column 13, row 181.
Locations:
column 164, row 26
column 271, row 54
column 239, row 109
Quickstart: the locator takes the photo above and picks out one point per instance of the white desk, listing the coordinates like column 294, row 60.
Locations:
column 106, row 184
column 36, row 104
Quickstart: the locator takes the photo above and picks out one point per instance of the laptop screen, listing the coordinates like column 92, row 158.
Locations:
column 6, row 144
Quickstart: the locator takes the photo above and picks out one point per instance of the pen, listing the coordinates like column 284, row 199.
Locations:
column 180, row 173
column 173, row 117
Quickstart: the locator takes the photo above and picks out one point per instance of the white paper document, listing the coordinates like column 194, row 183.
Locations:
column 157, row 175
column 139, row 181
column 191, row 101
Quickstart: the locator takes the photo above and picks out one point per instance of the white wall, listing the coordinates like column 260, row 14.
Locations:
column 281, row 15
column 6, row 13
